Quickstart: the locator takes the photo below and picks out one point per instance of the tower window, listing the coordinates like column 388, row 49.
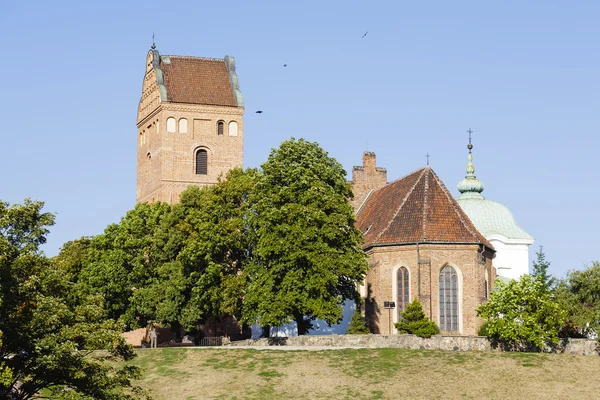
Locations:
column 201, row 162
column 448, row 299
column 220, row 128
column 233, row 128
column 171, row 125
column 183, row 125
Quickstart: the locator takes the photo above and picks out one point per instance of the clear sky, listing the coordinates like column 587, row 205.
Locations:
column 522, row 74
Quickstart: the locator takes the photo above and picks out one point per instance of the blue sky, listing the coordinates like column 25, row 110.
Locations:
column 522, row 75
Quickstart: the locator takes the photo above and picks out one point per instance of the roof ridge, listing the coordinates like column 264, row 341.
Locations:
column 454, row 203
column 426, row 191
column 194, row 57
column 401, row 204
column 399, row 179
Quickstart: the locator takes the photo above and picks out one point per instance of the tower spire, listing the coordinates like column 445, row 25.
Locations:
column 470, row 186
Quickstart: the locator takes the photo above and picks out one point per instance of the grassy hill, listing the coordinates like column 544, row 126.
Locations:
column 224, row 373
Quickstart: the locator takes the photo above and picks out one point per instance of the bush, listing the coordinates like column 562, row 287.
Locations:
column 358, row 325
column 522, row 315
column 415, row 322
column 483, row 329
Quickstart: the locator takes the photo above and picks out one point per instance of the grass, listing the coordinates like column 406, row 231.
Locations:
column 218, row 373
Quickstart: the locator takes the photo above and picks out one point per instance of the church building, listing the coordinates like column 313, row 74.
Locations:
column 421, row 245
column 190, row 127
column 421, row 242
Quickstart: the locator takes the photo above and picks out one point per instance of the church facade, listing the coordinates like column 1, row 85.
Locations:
column 190, row 126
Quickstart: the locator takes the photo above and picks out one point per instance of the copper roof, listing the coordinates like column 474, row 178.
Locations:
column 416, row 208
column 197, row 80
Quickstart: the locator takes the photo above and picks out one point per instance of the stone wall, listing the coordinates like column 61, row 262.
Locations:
column 436, row 342
column 583, row 347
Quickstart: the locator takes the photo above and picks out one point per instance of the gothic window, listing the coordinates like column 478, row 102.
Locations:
column 448, row 299
column 171, row 125
column 220, row 128
column 403, row 286
column 183, row 125
column 233, row 128
column 201, row 162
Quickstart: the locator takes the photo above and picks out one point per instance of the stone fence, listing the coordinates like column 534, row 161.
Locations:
column 437, row 342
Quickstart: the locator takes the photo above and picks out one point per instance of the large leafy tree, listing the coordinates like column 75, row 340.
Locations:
column 51, row 334
column 579, row 294
column 522, row 315
column 218, row 246
column 128, row 256
column 307, row 256
column 205, row 276
column 174, row 264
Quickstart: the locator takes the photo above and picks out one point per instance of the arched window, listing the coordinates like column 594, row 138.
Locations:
column 403, row 286
column 183, row 125
column 171, row 125
column 448, row 299
column 201, row 162
column 220, row 128
column 233, row 128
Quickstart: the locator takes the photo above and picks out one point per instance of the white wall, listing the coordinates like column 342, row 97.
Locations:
column 512, row 259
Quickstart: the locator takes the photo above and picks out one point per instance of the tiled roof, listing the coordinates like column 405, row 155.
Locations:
column 197, row 80
column 416, row 208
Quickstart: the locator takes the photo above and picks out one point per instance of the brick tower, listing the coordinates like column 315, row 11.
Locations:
column 190, row 126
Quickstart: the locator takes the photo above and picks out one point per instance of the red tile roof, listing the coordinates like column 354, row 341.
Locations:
column 197, row 80
column 416, row 208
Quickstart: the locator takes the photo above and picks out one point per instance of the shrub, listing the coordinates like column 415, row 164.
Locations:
column 415, row 322
column 483, row 329
column 522, row 315
column 357, row 325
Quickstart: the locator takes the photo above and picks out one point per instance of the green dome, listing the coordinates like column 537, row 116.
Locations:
column 490, row 218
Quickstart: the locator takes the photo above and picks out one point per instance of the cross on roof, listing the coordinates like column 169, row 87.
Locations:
column 469, row 132
column 427, row 156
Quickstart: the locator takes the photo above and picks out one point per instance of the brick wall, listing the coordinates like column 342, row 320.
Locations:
column 170, row 168
column 424, row 282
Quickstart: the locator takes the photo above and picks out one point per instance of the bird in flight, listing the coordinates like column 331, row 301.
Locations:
column 365, row 34
column 285, row 65
column 259, row 112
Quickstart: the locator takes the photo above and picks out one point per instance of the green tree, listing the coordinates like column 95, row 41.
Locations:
column 209, row 269
column 174, row 264
column 540, row 270
column 358, row 325
column 51, row 335
column 6, row 375
column 127, row 257
column 414, row 321
column 522, row 315
column 307, row 255
column 579, row 295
